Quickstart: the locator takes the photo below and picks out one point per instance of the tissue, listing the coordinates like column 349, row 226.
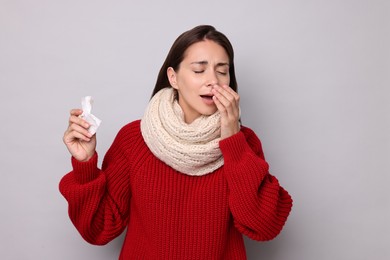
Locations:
column 86, row 106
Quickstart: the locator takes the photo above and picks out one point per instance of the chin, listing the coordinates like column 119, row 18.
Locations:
column 209, row 112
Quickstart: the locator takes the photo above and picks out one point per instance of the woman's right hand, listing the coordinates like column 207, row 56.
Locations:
column 80, row 143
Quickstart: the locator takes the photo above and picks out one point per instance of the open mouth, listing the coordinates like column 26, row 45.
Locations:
column 210, row 97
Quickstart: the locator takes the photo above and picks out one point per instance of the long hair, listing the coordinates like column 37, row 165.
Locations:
column 181, row 44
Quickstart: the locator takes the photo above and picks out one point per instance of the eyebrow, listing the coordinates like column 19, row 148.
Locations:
column 203, row 62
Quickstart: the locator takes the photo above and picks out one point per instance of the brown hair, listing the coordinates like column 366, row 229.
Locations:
column 185, row 40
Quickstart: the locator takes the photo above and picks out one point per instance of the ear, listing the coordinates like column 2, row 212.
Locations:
column 171, row 74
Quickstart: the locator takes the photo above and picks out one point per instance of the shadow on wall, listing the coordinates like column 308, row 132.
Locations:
column 115, row 246
column 262, row 250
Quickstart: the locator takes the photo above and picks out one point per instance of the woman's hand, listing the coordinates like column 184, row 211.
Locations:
column 227, row 102
column 80, row 143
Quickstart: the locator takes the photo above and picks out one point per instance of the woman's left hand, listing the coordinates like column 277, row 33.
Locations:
column 227, row 102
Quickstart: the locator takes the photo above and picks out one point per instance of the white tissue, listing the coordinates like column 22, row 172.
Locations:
column 86, row 106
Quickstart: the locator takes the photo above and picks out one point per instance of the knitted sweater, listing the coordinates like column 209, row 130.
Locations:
column 171, row 215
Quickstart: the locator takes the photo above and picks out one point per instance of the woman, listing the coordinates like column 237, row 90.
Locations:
column 187, row 180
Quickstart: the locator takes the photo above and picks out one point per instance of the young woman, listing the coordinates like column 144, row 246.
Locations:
column 187, row 180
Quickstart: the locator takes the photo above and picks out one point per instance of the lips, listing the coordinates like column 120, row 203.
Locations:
column 207, row 99
column 207, row 96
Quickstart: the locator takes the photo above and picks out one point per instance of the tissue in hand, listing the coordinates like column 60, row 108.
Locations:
column 94, row 122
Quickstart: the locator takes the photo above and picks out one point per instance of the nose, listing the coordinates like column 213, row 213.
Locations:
column 212, row 79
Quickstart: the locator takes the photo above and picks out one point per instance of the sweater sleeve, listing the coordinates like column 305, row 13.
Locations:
column 99, row 199
column 259, row 205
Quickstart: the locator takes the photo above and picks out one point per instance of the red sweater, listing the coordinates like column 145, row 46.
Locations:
column 171, row 215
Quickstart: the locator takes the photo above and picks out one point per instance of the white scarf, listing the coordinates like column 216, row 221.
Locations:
column 192, row 149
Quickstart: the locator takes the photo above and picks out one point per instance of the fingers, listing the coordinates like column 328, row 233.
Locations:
column 73, row 119
column 231, row 92
column 79, row 131
column 78, row 127
column 76, row 112
column 71, row 135
column 226, row 100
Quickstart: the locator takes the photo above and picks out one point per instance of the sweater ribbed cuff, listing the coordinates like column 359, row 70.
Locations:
column 85, row 171
column 234, row 147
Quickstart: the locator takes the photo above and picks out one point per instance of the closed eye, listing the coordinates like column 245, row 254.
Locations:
column 198, row 71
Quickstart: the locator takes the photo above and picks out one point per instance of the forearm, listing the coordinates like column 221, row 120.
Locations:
column 92, row 210
column 259, row 205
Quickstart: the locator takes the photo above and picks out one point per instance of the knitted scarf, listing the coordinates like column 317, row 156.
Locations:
column 192, row 149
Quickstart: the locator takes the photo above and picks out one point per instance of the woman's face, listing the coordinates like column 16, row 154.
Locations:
column 205, row 65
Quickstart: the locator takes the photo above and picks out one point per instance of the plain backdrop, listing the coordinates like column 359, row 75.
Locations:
column 314, row 83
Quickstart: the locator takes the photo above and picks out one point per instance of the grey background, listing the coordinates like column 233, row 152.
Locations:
column 314, row 81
